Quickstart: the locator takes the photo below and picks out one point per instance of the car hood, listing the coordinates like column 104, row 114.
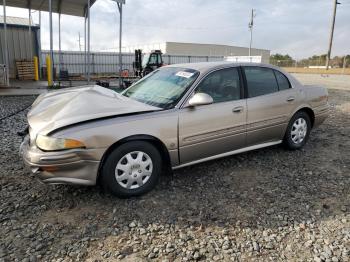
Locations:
column 61, row 108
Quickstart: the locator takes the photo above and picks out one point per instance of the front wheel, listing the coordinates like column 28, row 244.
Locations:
column 131, row 169
column 298, row 131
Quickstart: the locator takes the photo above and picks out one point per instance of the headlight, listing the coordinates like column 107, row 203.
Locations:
column 47, row 143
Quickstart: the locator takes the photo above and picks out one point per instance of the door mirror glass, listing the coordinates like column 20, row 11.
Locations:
column 200, row 99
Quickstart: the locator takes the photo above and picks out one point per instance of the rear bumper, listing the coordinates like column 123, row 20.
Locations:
column 321, row 115
column 78, row 166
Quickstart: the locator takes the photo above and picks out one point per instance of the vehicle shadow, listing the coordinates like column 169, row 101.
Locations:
column 270, row 187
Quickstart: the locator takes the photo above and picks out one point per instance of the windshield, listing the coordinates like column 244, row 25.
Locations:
column 162, row 88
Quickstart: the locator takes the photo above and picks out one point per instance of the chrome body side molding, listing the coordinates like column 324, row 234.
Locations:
column 234, row 152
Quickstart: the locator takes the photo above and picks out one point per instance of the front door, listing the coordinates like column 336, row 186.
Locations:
column 217, row 128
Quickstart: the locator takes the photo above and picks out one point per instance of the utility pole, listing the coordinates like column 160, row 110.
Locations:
column 331, row 35
column 39, row 44
column 250, row 25
column 120, row 7
column 51, row 43
column 120, row 4
column 79, row 43
column 6, row 46
column 344, row 64
column 30, row 30
column 88, row 43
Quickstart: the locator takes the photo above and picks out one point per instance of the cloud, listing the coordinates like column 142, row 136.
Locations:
column 299, row 28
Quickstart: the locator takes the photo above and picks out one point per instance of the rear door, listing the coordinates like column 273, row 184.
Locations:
column 270, row 102
column 209, row 130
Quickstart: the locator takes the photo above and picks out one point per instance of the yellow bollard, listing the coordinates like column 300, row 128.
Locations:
column 36, row 68
column 48, row 70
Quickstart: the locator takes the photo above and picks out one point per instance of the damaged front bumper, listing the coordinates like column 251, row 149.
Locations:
column 75, row 166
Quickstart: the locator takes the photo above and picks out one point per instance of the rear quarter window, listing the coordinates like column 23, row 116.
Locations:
column 282, row 80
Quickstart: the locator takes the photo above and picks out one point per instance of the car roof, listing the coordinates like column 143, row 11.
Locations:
column 203, row 67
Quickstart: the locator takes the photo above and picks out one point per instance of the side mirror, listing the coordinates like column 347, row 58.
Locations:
column 200, row 99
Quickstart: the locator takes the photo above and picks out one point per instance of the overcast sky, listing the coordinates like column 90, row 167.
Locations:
column 299, row 28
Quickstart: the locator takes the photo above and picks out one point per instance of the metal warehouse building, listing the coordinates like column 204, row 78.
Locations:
column 21, row 44
column 197, row 49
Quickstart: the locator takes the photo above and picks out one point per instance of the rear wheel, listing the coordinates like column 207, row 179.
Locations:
column 131, row 169
column 298, row 131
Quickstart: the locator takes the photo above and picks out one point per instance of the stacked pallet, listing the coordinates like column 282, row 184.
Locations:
column 25, row 69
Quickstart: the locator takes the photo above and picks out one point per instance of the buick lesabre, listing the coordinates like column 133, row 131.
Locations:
column 178, row 115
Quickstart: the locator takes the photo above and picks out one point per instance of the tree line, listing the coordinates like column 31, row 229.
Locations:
column 315, row 60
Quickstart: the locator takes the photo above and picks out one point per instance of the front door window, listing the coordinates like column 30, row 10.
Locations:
column 222, row 85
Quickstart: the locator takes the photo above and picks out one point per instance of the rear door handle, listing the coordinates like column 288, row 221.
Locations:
column 290, row 99
column 237, row 109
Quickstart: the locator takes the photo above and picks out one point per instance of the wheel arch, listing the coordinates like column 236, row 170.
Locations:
column 147, row 138
column 310, row 113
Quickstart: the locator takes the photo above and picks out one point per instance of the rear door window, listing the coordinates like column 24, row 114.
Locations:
column 260, row 81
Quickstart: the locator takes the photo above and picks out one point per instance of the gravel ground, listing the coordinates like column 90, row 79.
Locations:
column 266, row 205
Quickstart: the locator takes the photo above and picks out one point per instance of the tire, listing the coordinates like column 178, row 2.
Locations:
column 298, row 131
column 132, row 169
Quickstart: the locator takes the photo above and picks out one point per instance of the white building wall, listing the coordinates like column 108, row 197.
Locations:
column 194, row 49
column 197, row 49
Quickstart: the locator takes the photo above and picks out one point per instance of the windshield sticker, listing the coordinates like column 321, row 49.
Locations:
column 184, row 74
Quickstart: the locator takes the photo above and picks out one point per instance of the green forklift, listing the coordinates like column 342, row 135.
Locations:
column 150, row 62
column 141, row 67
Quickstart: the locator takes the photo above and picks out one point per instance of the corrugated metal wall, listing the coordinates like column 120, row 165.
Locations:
column 101, row 63
column 108, row 63
column 18, row 45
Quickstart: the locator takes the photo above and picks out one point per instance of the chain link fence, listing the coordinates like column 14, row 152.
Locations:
column 311, row 63
column 107, row 63
column 336, row 66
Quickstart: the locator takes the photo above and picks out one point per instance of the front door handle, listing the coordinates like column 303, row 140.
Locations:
column 290, row 99
column 237, row 109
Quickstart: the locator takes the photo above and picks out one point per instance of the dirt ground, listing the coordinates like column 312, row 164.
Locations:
column 340, row 82
column 266, row 205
